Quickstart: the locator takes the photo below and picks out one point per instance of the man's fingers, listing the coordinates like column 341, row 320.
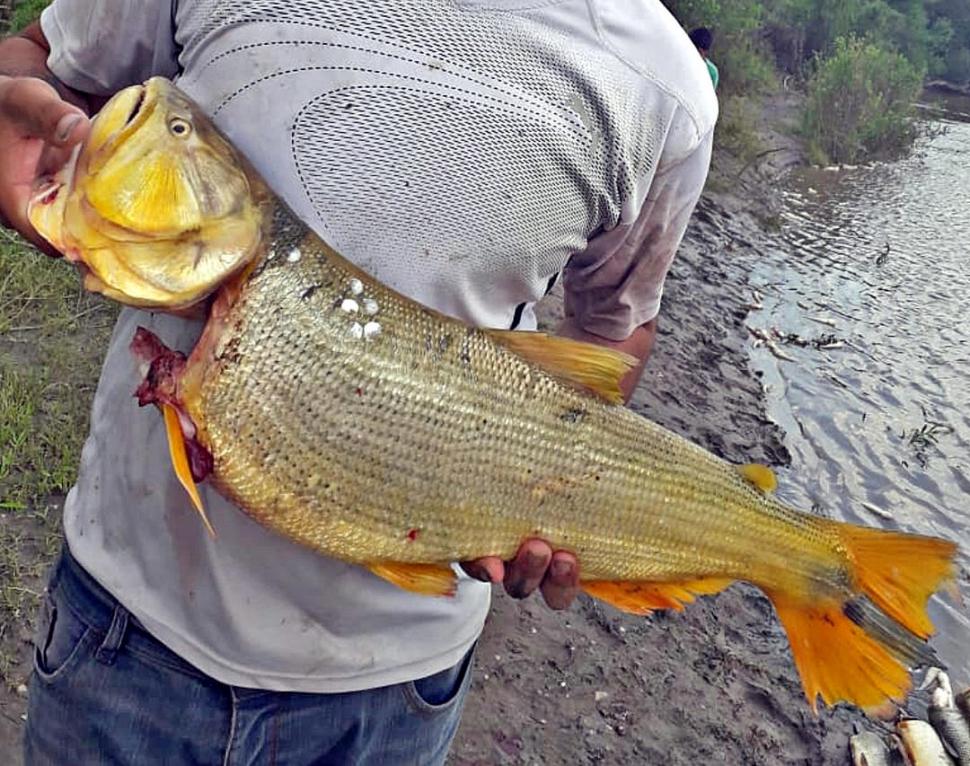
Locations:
column 524, row 573
column 561, row 583
column 487, row 569
column 40, row 111
column 534, row 566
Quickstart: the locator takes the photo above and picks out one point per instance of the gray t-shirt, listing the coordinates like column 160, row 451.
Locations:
column 466, row 153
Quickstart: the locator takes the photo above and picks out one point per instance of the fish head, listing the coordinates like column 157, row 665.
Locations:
column 156, row 207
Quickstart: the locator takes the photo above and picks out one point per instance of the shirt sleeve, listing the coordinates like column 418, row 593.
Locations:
column 102, row 46
column 616, row 283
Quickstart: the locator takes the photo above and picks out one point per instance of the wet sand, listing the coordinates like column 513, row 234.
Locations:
column 714, row 684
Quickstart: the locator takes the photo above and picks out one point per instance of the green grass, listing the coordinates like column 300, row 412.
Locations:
column 49, row 359
column 52, row 337
column 25, row 12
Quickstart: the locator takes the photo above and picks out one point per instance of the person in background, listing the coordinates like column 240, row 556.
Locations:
column 468, row 154
column 703, row 39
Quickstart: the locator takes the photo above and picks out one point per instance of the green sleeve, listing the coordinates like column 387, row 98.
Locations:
column 714, row 73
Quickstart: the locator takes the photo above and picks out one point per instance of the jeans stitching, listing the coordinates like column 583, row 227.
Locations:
column 227, row 759
column 83, row 646
column 419, row 705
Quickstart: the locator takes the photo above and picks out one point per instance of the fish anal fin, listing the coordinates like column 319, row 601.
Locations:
column 643, row 597
column 899, row 571
column 759, row 475
column 180, row 461
column 426, row 579
column 591, row 367
column 836, row 658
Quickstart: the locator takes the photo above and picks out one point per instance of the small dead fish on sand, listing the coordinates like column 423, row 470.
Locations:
column 869, row 749
column 946, row 718
column 921, row 745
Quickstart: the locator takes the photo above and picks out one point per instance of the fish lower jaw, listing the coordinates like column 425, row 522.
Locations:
column 45, row 209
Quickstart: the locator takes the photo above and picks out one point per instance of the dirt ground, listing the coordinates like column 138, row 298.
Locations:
column 714, row 684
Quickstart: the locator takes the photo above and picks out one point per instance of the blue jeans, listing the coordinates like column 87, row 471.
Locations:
column 104, row 691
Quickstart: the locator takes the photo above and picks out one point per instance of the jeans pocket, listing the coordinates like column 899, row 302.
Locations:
column 440, row 691
column 59, row 641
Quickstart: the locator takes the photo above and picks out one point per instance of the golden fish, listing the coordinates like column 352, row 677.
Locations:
column 353, row 420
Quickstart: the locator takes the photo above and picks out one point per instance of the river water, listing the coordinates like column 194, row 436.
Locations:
column 875, row 260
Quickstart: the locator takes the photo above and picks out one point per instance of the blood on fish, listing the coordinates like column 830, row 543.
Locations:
column 412, row 534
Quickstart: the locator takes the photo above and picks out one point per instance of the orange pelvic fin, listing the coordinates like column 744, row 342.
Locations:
column 644, row 597
column 591, row 367
column 180, row 461
column 899, row 572
column 427, row 579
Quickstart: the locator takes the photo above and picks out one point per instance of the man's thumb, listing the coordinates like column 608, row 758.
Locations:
column 36, row 107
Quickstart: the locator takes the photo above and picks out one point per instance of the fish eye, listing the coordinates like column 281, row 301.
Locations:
column 179, row 127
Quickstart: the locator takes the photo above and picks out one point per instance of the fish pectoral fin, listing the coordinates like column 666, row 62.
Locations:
column 591, row 367
column 427, row 579
column 644, row 597
column 180, row 461
column 759, row 475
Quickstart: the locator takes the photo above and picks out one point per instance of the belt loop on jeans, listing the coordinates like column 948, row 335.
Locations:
column 114, row 638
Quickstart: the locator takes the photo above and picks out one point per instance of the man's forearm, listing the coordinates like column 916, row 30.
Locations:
column 638, row 345
column 25, row 55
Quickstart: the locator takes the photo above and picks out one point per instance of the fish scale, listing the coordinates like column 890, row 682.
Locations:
column 357, row 422
column 374, row 416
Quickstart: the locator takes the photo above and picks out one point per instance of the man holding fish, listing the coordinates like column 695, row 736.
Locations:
column 469, row 155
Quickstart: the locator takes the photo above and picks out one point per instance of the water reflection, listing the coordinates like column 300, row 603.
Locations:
column 878, row 256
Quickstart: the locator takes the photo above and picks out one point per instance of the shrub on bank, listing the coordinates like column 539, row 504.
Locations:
column 860, row 103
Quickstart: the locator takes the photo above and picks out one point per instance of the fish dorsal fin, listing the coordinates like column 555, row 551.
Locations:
column 427, row 579
column 644, row 597
column 591, row 367
column 759, row 475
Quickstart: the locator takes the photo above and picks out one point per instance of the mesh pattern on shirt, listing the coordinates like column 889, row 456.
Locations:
column 509, row 175
column 431, row 125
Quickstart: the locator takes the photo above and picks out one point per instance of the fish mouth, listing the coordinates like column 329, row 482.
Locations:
column 48, row 188
column 139, row 103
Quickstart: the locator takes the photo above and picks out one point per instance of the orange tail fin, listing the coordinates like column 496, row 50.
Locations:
column 858, row 650
column 899, row 572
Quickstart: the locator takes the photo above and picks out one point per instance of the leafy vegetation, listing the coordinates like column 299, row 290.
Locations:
column 862, row 61
column 860, row 103
column 739, row 49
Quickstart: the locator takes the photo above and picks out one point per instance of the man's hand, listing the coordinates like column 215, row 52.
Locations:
column 38, row 131
column 556, row 574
